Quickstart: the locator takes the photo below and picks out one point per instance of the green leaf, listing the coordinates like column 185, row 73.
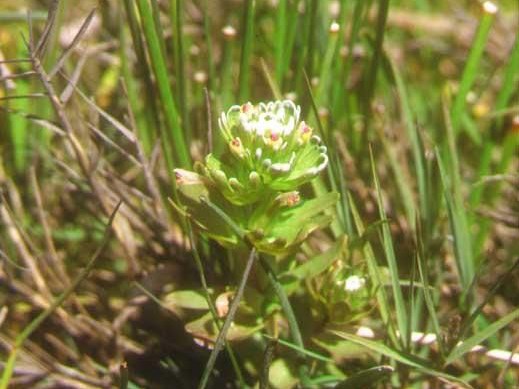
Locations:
column 204, row 328
column 190, row 299
column 192, row 190
column 313, row 266
column 280, row 374
column 277, row 229
column 292, row 220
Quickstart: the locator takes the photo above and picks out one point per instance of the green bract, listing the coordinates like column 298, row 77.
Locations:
column 269, row 154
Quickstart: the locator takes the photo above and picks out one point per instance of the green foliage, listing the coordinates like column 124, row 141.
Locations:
column 360, row 231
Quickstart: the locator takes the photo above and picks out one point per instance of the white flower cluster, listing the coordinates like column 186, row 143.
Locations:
column 276, row 118
column 270, row 137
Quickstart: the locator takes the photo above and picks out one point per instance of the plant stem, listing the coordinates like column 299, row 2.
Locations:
column 210, row 303
column 295, row 332
column 220, row 339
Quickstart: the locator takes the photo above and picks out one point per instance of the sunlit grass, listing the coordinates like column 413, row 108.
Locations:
column 417, row 106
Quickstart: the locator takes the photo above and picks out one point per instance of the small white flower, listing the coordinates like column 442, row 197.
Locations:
column 354, row 283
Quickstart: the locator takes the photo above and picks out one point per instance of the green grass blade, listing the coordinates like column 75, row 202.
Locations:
column 326, row 73
column 459, row 229
column 471, row 67
column 412, row 133
column 340, row 91
column 509, row 77
column 509, row 83
column 335, row 173
column 480, row 336
column 306, row 52
column 401, row 312
column 176, row 14
column 226, row 85
column 458, row 219
column 144, row 132
column 401, row 179
column 246, row 50
column 280, row 39
column 290, row 38
column 371, row 74
column 274, row 86
column 405, row 358
column 209, row 42
column 344, row 205
column 142, row 70
column 374, row 274
column 297, row 348
column 510, row 143
column 295, row 332
column 488, row 296
column 155, row 12
column 173, row 137
column 429, row 301
column 18, row 127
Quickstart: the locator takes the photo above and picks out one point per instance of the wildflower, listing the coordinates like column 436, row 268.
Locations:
column 270, row 153
column 269, row 149
column 354, row 283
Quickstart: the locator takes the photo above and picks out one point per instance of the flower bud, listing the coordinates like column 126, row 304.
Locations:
column 236, row 147
column 305, row 133
column 288, row 199
column 235, row 184
column 255, row 180
column 220, row 178
column 185, row 177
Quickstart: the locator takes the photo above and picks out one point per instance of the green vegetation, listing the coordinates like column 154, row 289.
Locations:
column 372, row 241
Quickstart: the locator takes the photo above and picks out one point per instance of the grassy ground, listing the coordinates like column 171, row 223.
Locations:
column 104, row 283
